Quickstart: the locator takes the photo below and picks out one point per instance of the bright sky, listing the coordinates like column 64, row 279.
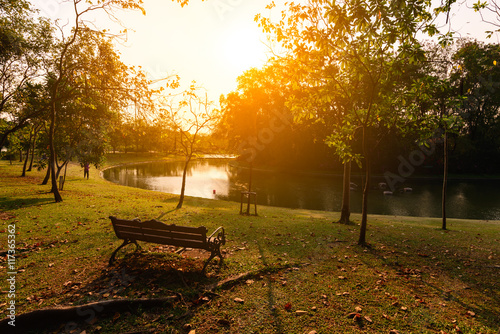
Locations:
column 211, row 41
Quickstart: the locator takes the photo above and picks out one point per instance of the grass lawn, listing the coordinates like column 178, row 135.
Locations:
column 285, row 271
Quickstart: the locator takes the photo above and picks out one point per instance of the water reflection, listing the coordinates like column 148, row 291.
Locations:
column 215, row 178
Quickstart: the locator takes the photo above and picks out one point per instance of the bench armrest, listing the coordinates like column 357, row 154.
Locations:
column 220, row 235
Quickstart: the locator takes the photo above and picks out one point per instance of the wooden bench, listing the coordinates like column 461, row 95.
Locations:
column 157, row 232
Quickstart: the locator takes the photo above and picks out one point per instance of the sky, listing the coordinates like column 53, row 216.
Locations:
column 211, row 42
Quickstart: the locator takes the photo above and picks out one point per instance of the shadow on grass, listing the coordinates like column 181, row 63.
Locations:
column 478, row 279
column 9, row 203
column 139, row 276
column 277, row 323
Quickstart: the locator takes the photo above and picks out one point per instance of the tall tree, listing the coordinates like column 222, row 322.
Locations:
column 62, row 73
column 361, row 47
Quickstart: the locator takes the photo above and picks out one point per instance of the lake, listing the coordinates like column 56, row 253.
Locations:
column 218, row 179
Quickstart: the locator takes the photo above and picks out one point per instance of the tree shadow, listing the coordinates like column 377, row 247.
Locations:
column 480, row 278
column 277, row 323
column 11, row 203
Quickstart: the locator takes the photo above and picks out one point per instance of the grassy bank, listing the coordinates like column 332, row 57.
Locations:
column 302, row 272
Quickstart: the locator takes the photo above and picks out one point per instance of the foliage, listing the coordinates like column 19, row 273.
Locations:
column 259, row 125
column 354, row 52
column 25, row 43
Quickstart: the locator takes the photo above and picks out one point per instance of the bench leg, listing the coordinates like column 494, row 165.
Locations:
column 125, row 243
column 212, row 255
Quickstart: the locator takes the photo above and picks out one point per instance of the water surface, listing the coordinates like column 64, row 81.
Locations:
column 216, row 178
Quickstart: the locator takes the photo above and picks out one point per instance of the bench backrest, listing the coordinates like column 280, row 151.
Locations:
column 160, row 233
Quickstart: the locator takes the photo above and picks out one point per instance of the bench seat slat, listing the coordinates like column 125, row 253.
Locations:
column 154, row 224
column 175, row 242
column 126, row 228
column 131, row 236
column 123, row 222
column 174, row 235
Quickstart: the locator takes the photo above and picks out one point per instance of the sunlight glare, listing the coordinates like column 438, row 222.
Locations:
column 242, row 49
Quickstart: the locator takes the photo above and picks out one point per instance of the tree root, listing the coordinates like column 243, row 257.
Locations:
column 70, row 315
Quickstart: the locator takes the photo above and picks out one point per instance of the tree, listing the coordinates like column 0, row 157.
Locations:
column 25, row 43
column 360, row 47
column 63, row 74
column 191, row 117
column 477, row 76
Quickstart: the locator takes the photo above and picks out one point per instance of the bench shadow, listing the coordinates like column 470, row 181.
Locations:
column 141, row 275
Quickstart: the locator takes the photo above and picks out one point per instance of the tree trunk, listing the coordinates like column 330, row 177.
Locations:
column 26, row 161
column 30, row 168
column 366, row 188
column 64, row 177
column 33, row 149
column 183, row 187
column 52, row 163
column 47, row 175
column 249, row 187
column 345, row 213
column 364, row 212
column 445, row 180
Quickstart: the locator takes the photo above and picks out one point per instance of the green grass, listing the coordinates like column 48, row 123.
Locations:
column 413, row 277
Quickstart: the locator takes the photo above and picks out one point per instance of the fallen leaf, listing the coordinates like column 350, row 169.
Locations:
column 116, row 316
column 300, row 312
column 239, row 300
column 288, row 306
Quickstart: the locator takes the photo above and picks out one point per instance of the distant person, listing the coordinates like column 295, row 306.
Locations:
column 86, row 170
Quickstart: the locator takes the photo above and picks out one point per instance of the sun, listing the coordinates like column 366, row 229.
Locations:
column 243, row 48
